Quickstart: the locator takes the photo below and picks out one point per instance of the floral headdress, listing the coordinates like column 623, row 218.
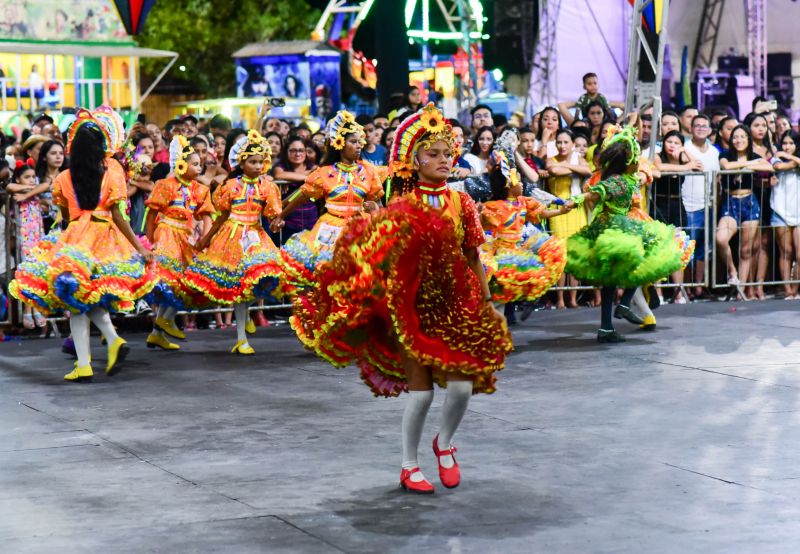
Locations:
column 133, row 160
column 627, row 135
column 105, row 120
column 253, row 144
column 507, row 168
column 179, row 153
column 341, row 125
column 423, row 128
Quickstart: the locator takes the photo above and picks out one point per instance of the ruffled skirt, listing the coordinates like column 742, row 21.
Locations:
column 305, row 250
column 525, row 270
column 173, row 253
column 620, row 251
column 240, row 264
column 90, row 264
column 398, row 286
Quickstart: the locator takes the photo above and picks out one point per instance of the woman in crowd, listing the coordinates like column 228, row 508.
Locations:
column 762, row 147
column 52, row 161
column 381, row 302
column 740, row 209
column 567, row 171
column 97, row 264
column 294, row 167
column 726, row 127
column 549, row 124
column 666, row 205
column 481, row 151
column 785, row 201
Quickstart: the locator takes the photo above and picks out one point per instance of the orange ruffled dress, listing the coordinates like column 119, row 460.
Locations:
column 91, row 263
column 178, row 204
column 399, row 282
column 241, row 262
column 522, row 268
column 345, row 189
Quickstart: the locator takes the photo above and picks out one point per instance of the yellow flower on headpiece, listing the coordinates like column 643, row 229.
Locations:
column 181, row 166
column 338, row 142
column 432, row 120
column 253, row 136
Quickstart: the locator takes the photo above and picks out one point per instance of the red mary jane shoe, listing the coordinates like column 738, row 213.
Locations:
column 418, row 487
column 450, row 477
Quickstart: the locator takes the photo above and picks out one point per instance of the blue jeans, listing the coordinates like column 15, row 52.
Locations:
column 695, row 227
column 741, row 209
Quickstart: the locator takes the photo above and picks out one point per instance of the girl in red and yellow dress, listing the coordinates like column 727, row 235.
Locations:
column 173, row 206
column 237, row 261
column 521, row 269
column 348, row 185
column 97, row 264
column 406, row 298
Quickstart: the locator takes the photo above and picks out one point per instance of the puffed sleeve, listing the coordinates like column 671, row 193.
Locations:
column 115, row 183
column 58, row 189
column 491, row 216
column 272, row 204
column 375, row 191
column 314, row 187
column 535, row 209
column 222, row 196
column 203, row 199
column 161, row 195
column 470, row 219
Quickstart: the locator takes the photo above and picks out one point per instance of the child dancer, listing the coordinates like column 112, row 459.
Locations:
column 405, row 296
column 237, row 261
column 29, row 224
column 615, row 250
column 97, row 264
column 347, row 184
column 172, row 208
column 521, row 269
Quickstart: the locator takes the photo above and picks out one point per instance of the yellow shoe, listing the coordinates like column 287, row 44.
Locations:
column 649, row 323
column 243, row 348
column 160, row 341
column 80, row 374
column 169, row 328
column 250, row 327
column 117, row 352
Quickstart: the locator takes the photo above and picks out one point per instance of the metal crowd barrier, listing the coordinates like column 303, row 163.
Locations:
column 773, row 252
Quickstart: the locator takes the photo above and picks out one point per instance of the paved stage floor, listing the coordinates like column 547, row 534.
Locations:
column 685, row 440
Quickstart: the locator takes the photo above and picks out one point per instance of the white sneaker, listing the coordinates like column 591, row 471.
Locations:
column 143, row 308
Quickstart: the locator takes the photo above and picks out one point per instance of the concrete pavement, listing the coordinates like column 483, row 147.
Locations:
column 685, row 440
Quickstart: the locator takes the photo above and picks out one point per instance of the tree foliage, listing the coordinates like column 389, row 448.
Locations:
column 207, row 32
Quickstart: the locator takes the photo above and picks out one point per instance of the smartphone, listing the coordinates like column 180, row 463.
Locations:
column 277, row 102
column 766, row 106
column 67, row 110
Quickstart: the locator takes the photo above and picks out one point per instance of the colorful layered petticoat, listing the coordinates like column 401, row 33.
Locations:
column 240, row 264
column 398, row 283
column 90, row 264
column 524, row 270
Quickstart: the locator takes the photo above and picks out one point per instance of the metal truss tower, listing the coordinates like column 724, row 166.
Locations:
column 756, row 21
column 639, row 92
column 707, row 34
column 543, row 85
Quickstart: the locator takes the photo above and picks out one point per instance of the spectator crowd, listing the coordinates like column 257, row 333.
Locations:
column 710, row 170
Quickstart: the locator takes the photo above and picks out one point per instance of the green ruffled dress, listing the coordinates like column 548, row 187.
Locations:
column 615, row 250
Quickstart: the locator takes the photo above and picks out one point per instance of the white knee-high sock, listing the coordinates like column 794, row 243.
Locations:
column 240, row 311
column 79, row 327
column 417, row 406
column 640, row 302
column 169, row 314
column 455, row 404
column 102, row 321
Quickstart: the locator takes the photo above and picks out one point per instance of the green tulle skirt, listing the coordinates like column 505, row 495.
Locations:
column 617, row 251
